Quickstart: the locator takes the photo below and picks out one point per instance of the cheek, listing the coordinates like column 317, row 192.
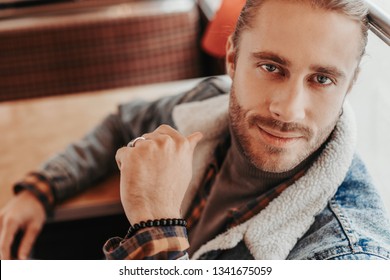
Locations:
column 323, row 115
column 250, row 91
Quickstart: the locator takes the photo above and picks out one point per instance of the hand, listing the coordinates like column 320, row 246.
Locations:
column 155, row 174
column 22, row 212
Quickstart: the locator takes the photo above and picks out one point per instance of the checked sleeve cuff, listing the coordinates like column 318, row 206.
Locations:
column 156, row 243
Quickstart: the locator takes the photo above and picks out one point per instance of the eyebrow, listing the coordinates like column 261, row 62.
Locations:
column 330, row 70
column 271, row 56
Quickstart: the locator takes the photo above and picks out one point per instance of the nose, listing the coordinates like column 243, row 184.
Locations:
column 288, row 103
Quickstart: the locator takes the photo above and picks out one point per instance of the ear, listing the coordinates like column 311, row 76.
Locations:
column 230, row 57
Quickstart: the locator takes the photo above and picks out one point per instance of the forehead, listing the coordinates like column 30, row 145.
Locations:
column 300, row 32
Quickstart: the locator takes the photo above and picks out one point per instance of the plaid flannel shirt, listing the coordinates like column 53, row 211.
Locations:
column 172, row 242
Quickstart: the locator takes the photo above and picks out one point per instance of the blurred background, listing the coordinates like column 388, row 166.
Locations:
column 370, row 99
column 70, row 47
column 60, row 47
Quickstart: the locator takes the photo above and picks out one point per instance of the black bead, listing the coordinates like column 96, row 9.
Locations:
column 154, row 223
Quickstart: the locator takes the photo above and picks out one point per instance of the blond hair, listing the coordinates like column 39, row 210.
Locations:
column 355, row 9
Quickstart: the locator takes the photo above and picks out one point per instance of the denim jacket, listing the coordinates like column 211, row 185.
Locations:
column 352, row 226
column 333, row 212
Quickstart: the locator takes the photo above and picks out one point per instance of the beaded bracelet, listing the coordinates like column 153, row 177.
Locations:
column 155, row 223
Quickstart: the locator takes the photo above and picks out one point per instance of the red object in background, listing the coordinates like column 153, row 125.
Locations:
column 219, row 29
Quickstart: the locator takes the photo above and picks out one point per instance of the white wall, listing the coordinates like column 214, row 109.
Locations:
column 371, row 101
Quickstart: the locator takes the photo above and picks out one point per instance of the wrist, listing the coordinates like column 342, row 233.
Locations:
column 37, row 190
column 42, row 184
column 137, row 213
column 146, row 216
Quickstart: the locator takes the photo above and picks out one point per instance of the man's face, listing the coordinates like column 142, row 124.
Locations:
column 294, row 68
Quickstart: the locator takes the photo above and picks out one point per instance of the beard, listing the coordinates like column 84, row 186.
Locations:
column 266, row 157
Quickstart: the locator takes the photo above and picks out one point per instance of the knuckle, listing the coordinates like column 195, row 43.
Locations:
column 147, row 135
column 118, row 153
column 164, row 126
column 163, row 139
column 182, row 143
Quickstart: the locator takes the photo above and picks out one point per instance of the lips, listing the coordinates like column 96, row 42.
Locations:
column 278, row 138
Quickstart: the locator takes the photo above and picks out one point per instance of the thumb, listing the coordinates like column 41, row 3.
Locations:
column 194, row 139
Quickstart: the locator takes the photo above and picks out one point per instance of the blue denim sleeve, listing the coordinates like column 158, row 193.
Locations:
column 359, row 256
column 353, row 226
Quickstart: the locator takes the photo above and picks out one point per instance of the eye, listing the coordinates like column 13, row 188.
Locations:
column 270, row 68
column 322, row 80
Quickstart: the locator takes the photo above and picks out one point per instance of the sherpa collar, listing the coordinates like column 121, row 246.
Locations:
column 273, row 232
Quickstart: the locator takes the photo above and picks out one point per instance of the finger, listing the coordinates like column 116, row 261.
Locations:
column 1, row 220
column 6, row 238
column 148, row 137
column 165, row 129
column 119, row 156
column 28, row 240
column 194, row 139
column 162, row 135
column 162, row 130
column 168, row 130
column 1, row 237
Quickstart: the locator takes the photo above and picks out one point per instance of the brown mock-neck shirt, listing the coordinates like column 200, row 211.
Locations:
column 237, row 183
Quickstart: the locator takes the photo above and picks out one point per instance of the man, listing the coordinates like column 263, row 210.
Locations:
column 267, row 172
